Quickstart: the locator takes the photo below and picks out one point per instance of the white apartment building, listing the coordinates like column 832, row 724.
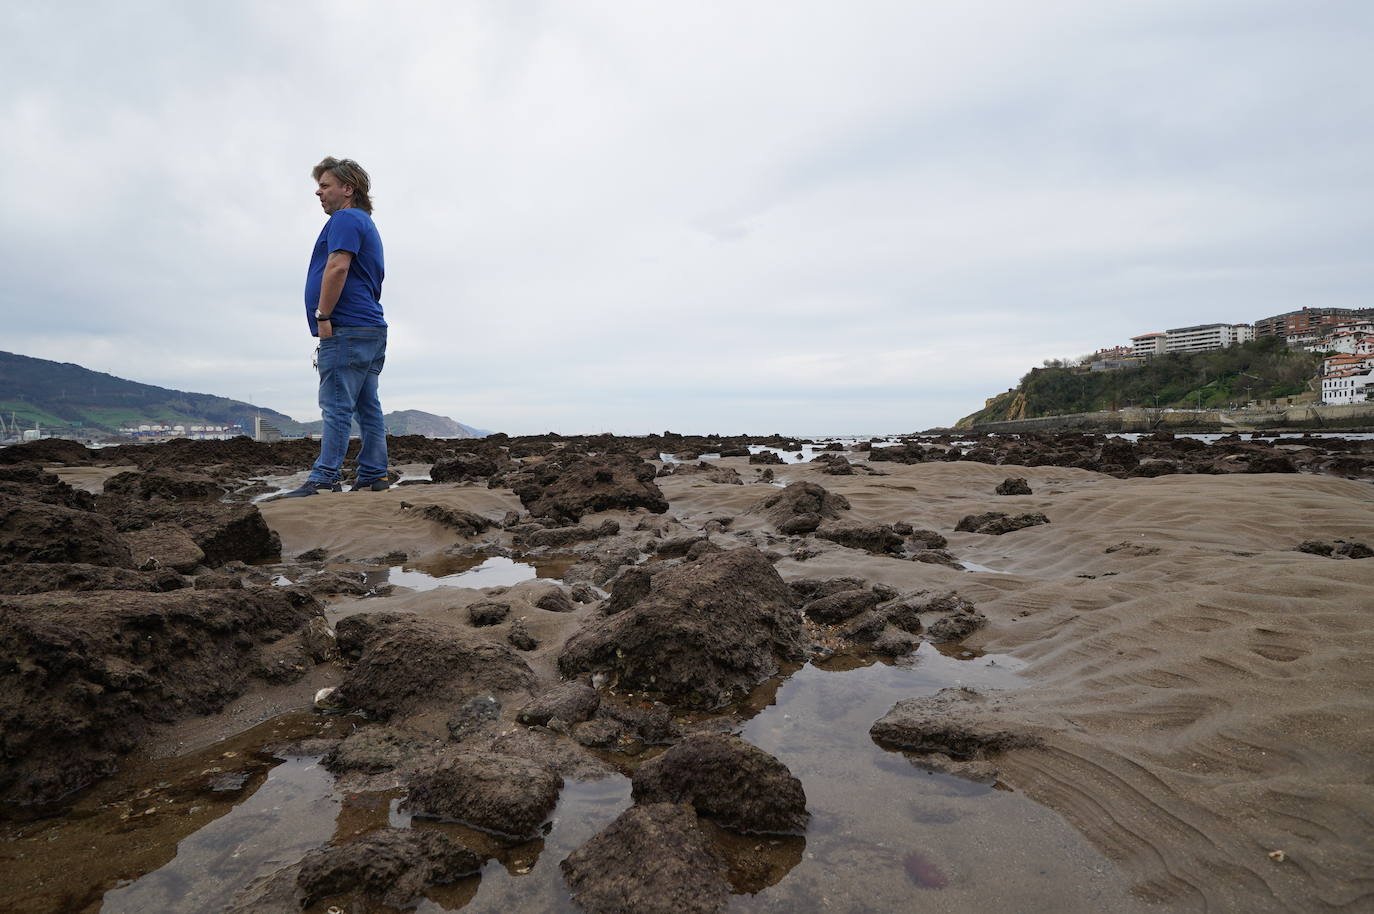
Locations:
column 1357, row 326
column 1346, row 362
column 1207, row 336
column 1341, row 341
column 1147, row 344
column 265, row 431
column 1343, row 387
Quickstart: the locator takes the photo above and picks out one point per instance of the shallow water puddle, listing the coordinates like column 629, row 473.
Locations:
column 974, row 566
column 475, row 571
column 472, row 571
column 885, row 835
column 292, row 813
column 140, row 823
column 493, row 571
column 888, row 835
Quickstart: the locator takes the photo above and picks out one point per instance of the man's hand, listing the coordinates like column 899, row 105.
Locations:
column 335, row 273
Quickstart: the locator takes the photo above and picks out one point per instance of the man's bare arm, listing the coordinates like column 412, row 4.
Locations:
column 335, row 272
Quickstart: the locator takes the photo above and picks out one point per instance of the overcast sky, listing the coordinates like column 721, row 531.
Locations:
column 805, row 217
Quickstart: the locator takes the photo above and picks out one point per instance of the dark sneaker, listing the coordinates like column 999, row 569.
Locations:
column 310, row 488
column 371, row 485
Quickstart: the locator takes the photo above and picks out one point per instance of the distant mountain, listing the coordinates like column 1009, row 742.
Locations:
column 415, row 422
column 61, row 396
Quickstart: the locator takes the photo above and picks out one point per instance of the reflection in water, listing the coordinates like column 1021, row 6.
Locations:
column 133, row 823
column 755, row 862
column 525, row 878
column 471, row 571
column 291, row 814
column 475, row 571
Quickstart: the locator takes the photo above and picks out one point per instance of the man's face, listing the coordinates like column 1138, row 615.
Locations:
column 333, row 195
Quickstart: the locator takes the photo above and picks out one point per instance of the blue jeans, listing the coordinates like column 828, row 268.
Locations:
column 350, row 362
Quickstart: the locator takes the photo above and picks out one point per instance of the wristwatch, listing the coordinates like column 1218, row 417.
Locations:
column 323, row 317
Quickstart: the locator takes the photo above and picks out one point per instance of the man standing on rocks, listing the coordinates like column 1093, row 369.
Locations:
column 343, row 307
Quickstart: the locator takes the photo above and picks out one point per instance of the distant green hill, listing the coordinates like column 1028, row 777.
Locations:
column 64, row 396
column 1262, row 369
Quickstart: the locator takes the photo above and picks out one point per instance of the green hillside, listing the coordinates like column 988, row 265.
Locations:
column 1263, row 369
column 62, row 395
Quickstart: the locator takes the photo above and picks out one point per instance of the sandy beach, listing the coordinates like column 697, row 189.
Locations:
column 1179, row 700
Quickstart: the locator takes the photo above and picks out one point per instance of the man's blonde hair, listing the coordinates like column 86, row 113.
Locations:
column 349, row 172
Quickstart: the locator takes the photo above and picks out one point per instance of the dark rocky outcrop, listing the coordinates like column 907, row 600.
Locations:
column 894, row 643
column 507, row 796
column 164, row 546
column 652, row 859
column 46, row 451
column 87, row 674
column 408, row 663
column 837, row 607
column 959, row 723
column 553, row 599
column 996, row 523
column 703, row 631
column 804, row 590
column 1014, row 485
column 565, row 536
column 519, row 637
column 464, row 523
column 34, row 531
column 571, row 702
column 876, row 538
column 627, row 588
column 371, row 750
column 1336, row 550
column 926, row 539
column 224, row 532
column 567, row 488
column 44, row 577
column 800, row 524
column 957, row 625
column 711, row 472
column 678, row 545
column 466, row 466
column 799, row 498
column 630, row 725
column 897, row 453
column 487, row 612
column 727, row 780
column 35, row 484
column 865, row 628
column 165, row 485
column 321, row 583
column 389, row 866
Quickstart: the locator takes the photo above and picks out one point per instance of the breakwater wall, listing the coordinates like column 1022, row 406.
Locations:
column 1351, row 416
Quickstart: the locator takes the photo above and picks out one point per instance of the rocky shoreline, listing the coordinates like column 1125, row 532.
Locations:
column 133, row 611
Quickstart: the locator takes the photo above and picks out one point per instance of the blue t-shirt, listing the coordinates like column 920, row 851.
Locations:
column 360, row 303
